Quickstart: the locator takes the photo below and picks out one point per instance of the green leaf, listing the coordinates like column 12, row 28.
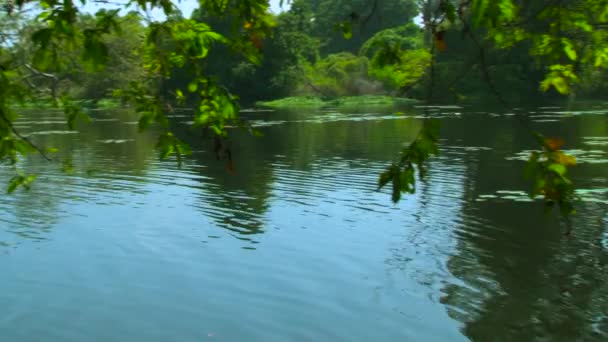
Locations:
column 13, row 184
column 192, row 86
column 396, row 195
column 20, row 180
column 569, row 49
column 508, row 10
column 559, row 169
column 557, row 81
column 22, row 147
column 145, row 120
column 386, row 176
column 561, row 85
column 479, row 8
column 168, row 144
column 347, row 29
column 408, row 180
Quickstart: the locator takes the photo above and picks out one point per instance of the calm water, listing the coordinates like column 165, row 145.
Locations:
column 296, row 245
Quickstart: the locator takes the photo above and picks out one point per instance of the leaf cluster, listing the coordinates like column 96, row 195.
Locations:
column 414, row 156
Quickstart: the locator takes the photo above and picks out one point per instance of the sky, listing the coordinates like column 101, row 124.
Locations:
column 186, row 6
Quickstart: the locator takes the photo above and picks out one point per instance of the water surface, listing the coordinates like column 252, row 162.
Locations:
column 296, row 244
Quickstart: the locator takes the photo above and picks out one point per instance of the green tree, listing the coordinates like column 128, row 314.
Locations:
column 340, row 74
column 279, row 71
column 561, row 35
column 360, row 18
column 398, row 56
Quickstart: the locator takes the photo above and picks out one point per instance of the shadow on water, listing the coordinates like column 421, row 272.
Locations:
column 296, row 148
column 520, row 277
column 92, row 164
column 103, row 160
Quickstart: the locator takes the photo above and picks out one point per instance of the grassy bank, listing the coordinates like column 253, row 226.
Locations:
column 48, row 103
column 341, row 102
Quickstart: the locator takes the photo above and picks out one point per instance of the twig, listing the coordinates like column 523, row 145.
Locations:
column 45, row 75
column 23, row 138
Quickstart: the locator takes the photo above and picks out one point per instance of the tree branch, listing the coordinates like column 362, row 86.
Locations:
column 54, row 78
column 23, row 138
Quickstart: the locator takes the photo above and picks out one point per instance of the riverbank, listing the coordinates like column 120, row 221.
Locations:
column 48, row 103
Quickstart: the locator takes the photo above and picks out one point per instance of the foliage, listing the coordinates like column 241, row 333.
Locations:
column 548, row 171
column 277, row 70
column 63, row 41
column 397, row 56
column 20, row 180
column 359, row 20
column 414, row 156
column 339, row 75
column 564, row 35
column 405, row 37
column 405, row 68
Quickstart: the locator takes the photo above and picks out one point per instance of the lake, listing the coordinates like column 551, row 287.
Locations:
column 295, row 243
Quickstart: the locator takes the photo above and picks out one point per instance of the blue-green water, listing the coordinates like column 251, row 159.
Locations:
column 296, row 244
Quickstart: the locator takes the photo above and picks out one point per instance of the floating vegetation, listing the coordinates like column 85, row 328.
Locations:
column 441, row 107
column 582, row 156
column 577, row 112
column 546, row 120
column 115, row 141
column 470, row 148
column 510, row 195
column 262, row 123
column 53, row 132
column 593, row 195
column 584, row 195
column 340, row 102
column 104, row 120
column 294, row 102
column 595, row 141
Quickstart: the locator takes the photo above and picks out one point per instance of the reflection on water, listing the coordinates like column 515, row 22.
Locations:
column 296, row 244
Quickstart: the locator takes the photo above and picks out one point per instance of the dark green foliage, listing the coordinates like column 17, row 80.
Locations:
column 276, row 70
column 356, row 20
